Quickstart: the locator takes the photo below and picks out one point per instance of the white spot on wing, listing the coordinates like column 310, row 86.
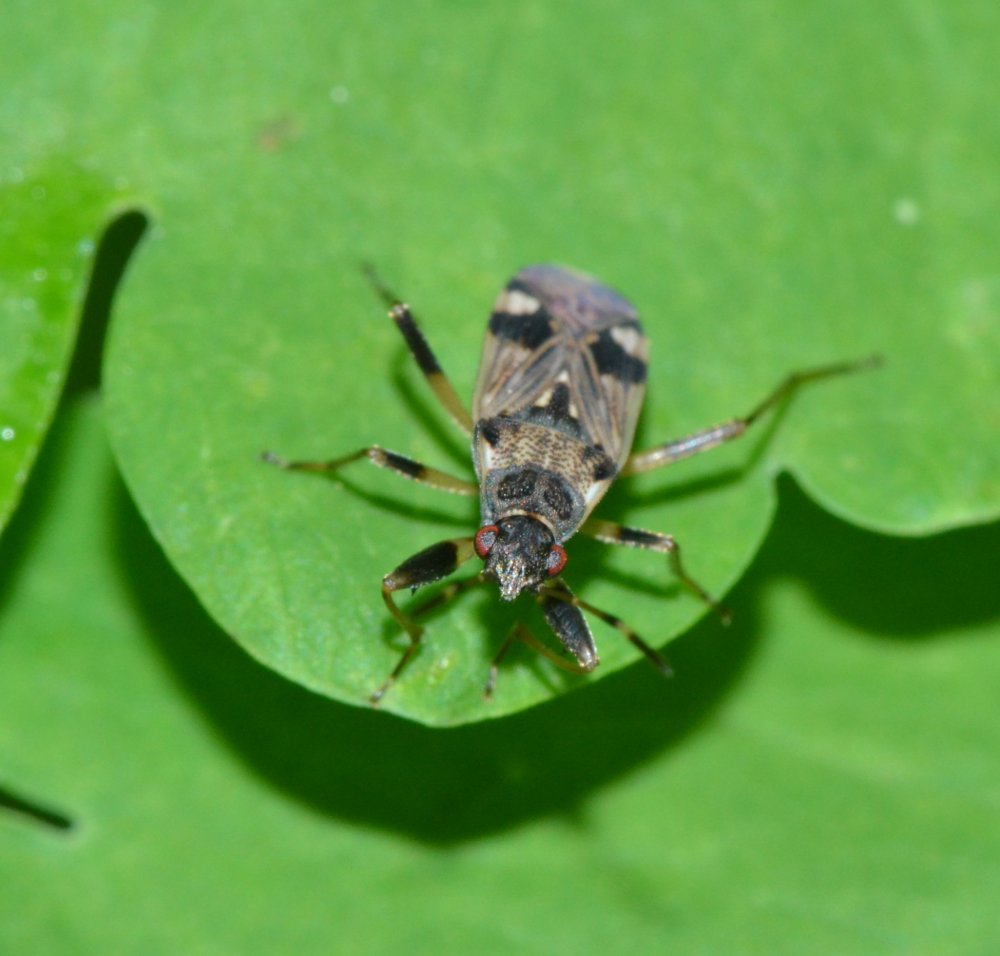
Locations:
column 544, row 399
column 628, row 337
column 516, row 302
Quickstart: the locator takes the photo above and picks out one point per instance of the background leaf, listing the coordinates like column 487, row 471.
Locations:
column 50, row 215
column 820, row 780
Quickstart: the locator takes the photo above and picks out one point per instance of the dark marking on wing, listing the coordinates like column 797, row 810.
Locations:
column 531, row 330
column 612, row 359
column 558, row 406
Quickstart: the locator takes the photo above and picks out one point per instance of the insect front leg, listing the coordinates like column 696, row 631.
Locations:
column 429, row 565
column 382, row 458
column 611, row 533
column 406, row 322
column 700, row 441
column 448, row 593
column 562, row 611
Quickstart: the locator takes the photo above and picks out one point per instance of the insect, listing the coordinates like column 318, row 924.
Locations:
column 558, row 395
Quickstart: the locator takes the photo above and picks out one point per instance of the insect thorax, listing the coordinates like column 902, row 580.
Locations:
column 532, row 469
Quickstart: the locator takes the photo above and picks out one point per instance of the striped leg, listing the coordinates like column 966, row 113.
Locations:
column 717, row 435
column 517, row 633
column 611, row 533
column 448, row 593
column 557, row 595
column 379, row 456
column 520, row 632
column 400, row 313
column 429, row 565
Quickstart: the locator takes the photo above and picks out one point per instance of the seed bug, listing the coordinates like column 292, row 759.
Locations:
column 558, row 395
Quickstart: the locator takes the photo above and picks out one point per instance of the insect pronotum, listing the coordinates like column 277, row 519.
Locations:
column 558, row 395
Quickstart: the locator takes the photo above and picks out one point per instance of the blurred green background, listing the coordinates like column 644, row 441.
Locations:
column 774, row 185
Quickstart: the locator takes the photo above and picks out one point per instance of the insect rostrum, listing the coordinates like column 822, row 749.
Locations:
column 560, row 387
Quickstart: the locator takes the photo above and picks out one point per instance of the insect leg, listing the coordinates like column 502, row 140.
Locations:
column 379, row 456
column 405, row 321
column 448, row 593
column 519, row 632
column 611, row 533
column 558, row 595
column 429, row 565
column 712, row 437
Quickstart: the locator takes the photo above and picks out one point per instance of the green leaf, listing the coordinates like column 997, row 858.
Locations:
column 773, row 186
column 822, row 779
column 50, row 215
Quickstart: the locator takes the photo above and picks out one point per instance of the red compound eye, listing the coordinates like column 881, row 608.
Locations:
column 557, row 560
column 485, row 539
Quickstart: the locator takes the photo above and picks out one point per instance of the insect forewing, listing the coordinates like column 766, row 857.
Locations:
column 553, row 325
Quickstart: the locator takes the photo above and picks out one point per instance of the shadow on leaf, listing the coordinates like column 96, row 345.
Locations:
column 443, row 786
